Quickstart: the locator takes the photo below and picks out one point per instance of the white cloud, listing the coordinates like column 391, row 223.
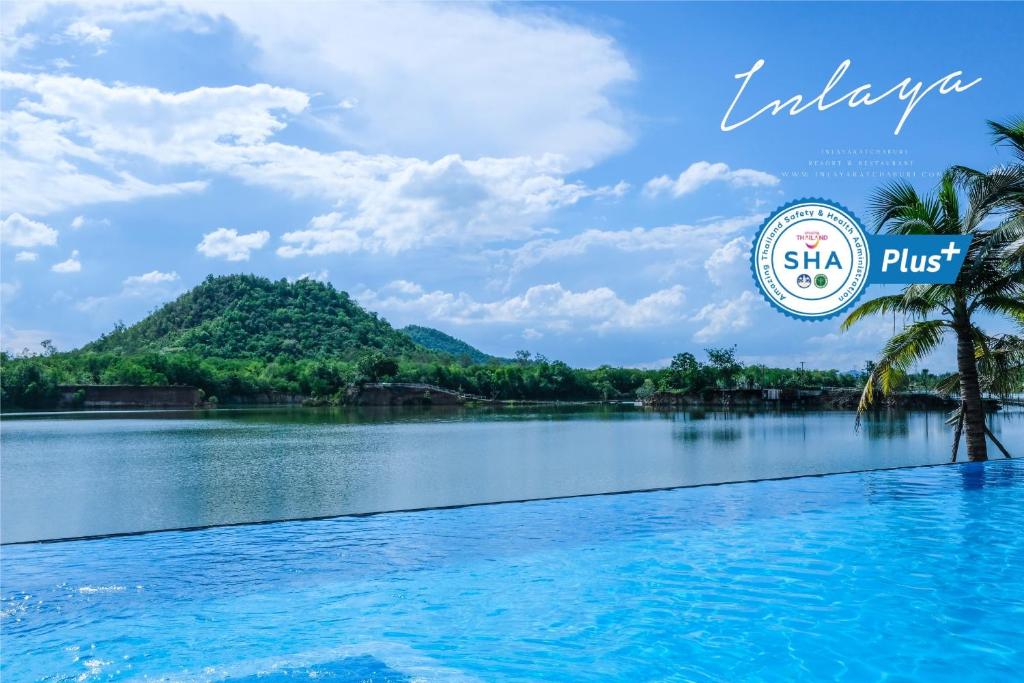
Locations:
column 153, row 277
column 186, row 126
column 26, row 256
column 71, row 140
column 87, row 32
column 79, row 222
column 318, row 276
column 408, row 203
column 72, row 265
column 228, row 244
column 46, row 187
column 13, row 37
column 18, row 231
column 383, row 203
column 692, row 239
column 549, row 306
column 730, row 263
column 725, row 316
column 701, row 173
column 152, row 286
column 483, row 80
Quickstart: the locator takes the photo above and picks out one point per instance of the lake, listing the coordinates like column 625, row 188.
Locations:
column 86, row 474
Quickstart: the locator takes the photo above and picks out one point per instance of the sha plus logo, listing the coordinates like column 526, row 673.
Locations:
column 811, row 242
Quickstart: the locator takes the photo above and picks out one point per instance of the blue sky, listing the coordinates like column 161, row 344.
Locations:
column 542, row 176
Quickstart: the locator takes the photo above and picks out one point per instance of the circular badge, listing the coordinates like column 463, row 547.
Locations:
column 811, row 241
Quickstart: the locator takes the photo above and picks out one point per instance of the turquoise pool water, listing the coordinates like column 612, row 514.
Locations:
column 911, row 574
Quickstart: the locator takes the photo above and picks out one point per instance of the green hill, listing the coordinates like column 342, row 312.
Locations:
column 245, row 316
column 436, row 340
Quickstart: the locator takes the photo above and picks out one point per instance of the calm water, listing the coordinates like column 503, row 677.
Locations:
column 900, row 575
column 85, row 475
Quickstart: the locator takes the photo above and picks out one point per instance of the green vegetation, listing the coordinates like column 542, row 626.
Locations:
column 241, row 336
column 989, row 207
column 436, row 340
column 245, row 316
column 30, row 381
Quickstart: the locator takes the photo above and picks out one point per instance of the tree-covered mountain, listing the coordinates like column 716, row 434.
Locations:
column 436, row 340
column 241, row 338
column 245, row 316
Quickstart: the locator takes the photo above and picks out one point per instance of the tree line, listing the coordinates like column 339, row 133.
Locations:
column 31, row 381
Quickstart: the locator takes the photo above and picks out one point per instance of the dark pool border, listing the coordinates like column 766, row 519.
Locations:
column 319, row 518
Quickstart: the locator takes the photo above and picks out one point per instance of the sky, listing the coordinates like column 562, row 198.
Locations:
column 546, row 177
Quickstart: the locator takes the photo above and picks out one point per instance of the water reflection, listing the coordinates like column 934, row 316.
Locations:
column 887, row 424
column 84, row 475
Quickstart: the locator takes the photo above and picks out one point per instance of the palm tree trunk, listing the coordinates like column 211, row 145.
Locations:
column 970, row 393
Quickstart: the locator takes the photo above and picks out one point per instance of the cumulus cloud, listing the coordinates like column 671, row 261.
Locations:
column 26, row 256
column 88, row 32
column 730, row 263
column 143, row 120
column 318, row 276
column 228, row 244
column 70, row 140
column 153, row 277
column 46, row 187
column 483, row 80
column 693, row 239
column 534, row 83
column 47, row 168
column 701, row 173
column 18, row 231
column 724, row 317
column 383, row 202
column 408, row 203
column 549, row 306
column 72, row 265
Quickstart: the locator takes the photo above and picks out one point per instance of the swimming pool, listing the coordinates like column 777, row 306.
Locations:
column 913, row 573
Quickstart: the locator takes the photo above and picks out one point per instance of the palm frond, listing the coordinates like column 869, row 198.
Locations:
column 1001, row 364
column 949, row 385
column 899, row 354
column 950, row 203
column 876, row 306
column 998, row 190
column 919, row 300
column 898, row 209
column 1010, row 134
column 1012, row 307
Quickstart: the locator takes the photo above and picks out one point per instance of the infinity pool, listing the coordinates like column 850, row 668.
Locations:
column 914, row 574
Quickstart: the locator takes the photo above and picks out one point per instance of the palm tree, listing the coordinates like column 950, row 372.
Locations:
column 990, row 281
column 1010, row 134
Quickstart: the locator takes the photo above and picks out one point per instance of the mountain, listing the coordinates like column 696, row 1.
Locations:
column 436, row 340
column 245, row 316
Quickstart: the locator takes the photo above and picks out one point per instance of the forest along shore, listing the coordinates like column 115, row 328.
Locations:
column 399, row 394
